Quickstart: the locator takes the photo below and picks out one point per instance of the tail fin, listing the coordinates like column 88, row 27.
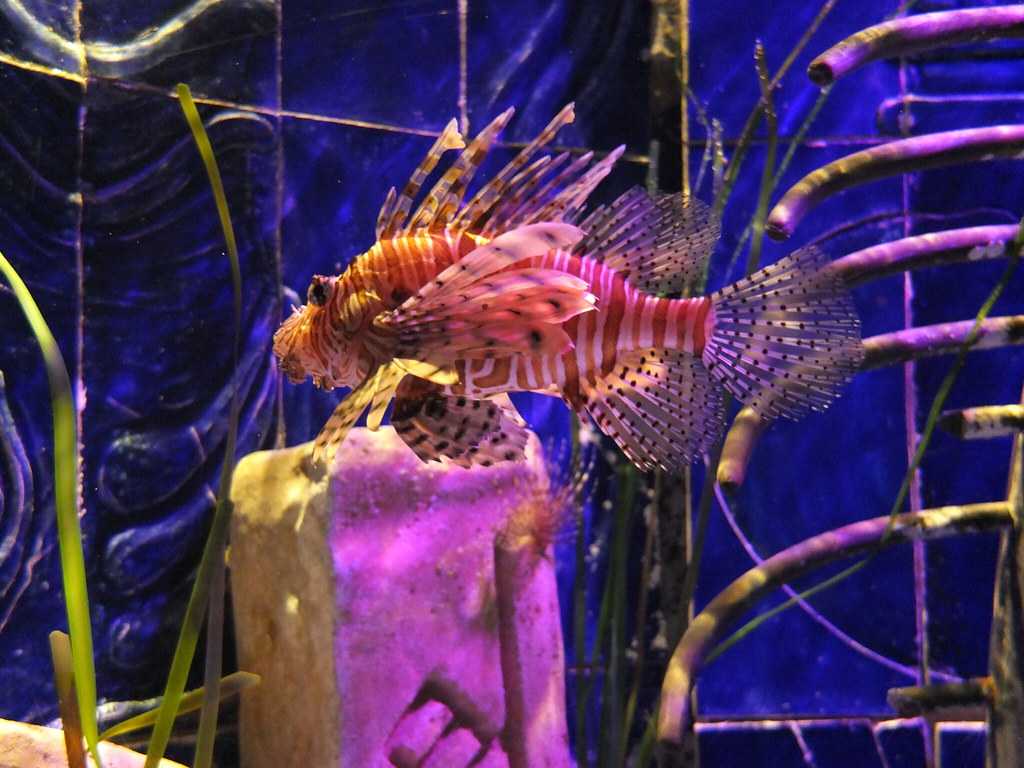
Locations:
column 785, row 339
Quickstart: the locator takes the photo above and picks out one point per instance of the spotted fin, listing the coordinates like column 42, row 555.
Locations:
column 459, row 429
column 440, row 204
column 395, row 211
column 661, row 407
column 484, row 200
column 785, row 339
column 498, row 254
column 558, row 199
column 345, row 415
column 474, row 309
column 661, row 245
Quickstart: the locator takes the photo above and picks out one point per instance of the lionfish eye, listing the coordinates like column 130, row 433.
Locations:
column 317, row 293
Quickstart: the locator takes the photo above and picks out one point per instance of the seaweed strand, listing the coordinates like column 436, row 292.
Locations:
column 70, row 716
column 66, row 502
column 209, row 576
column 764, row 193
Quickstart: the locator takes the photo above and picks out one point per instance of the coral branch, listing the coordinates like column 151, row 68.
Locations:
column 930, row 250
column 941, row 339
column 967, row 700
column 902, row 156
column 914, row 34
column 746, row 591
column 1004, row 746
column 884, row 349
column 743, row 435
column 984, row 421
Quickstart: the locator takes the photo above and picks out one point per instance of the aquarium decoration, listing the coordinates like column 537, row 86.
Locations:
column 686, row 582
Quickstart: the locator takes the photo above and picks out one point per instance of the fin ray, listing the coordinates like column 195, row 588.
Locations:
column 485, row 199
column 785, row 339
column 397, row 207
column 661, row 244
column 459, row 429
column 345, row 415
column 661, row 407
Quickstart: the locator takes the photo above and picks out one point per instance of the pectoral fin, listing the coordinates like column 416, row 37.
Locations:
column 463, row 430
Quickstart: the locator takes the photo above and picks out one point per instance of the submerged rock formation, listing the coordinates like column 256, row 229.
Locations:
column 24, row 745
column 399, row 613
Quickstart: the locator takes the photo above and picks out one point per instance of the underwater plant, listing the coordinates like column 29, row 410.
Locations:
column 208, row 589
column 73, row 660
column 73, row 655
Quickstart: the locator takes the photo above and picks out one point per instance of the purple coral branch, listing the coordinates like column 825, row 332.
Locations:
column 984, row 421
column 961, row 700
column 813, row 612
column 930, row 250
column 1004, row 747
column 747, row 428
column 891, row 159
column 941, row 339
column 884, row 349
column 710, row 625
column 915, row 34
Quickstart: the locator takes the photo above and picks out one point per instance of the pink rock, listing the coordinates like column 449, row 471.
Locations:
column 367, row 601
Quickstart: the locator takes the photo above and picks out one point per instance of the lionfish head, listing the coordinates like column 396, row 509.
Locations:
column 308, row 343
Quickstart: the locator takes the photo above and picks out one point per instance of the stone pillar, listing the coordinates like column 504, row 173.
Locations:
column 366, row 599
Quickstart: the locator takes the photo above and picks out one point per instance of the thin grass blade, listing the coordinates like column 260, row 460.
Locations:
column 231, row 685
column 70, row 718
column 65, row 496
column 212, row 562
column 215, row 617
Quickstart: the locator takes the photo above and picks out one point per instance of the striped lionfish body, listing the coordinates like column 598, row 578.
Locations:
column 459, row 303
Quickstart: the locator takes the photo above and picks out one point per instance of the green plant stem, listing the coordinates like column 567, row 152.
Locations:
column 641, row 609
column 932, row 420
column 800, row 135
column 707, row 493
column 580, row 617
column 765, row 191
column 613, row 740
column 70, row 717
column 231, row 685
column 747, row 133
column 794, row 144
column 210, row 571
column 65, row 495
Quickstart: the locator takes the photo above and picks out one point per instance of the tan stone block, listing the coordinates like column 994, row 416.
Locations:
column 366, row 599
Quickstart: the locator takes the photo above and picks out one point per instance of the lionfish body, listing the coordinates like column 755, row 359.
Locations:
column 459, row 303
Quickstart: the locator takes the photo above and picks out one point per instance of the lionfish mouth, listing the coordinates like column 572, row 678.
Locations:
column 284, row 343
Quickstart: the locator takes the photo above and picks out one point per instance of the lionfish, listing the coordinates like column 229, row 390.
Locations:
column 458, row 303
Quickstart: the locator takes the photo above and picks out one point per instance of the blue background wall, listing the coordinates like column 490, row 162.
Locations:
column 315, row 108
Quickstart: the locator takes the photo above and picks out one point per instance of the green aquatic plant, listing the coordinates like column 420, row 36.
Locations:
column 66, row 501
column 74, row 665
column 208, row 589
column 230, row 685
column 64, row 676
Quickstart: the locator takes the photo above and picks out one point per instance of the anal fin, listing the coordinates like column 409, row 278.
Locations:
column 661, row 407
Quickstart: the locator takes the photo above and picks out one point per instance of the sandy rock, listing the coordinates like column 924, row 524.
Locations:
column 367, row 601
column 23, row 745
